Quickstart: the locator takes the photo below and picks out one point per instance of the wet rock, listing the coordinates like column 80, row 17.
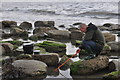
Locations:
column 76, row 35
column 115, row 27
column 115, row 46
column 26, row 68
column 116, row 63
column 53, row 46
column 8, row 24
column 112, row 76
column 42, row 50
column 89, row 66
column 15, row 42
column 33, row 37
column 2, row 50
column 78, row 23
column 62, row 26
column 7, row 60
column 118, row 34
column 18, row 52
column 111, row 66
column 44, row 24
column 106, row 50
column 51, row 59
column 59, row 34
column 4, row 35
column 24, row 57
column 107, row 24
column 26, row 25
column 109, row 37
column 103, row 28
column 51, row 72
column 8, row 48
column 41, row 30
column 17, row 32
column 73, row 29
column 67, row 65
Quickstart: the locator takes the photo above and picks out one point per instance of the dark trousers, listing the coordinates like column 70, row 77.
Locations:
column 91, row 47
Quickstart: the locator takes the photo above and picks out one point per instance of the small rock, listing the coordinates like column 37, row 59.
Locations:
column 26, row 25
column 62, row 26
column 24, row 57
column 8, row 48
column 8, row 24
column 115, row 46
column 44, row 24
column 67, row 65
column 50, row 59
column 109, row 37
column 89, row 66
column 53, row 46
column 59, row 34
column 107, row 24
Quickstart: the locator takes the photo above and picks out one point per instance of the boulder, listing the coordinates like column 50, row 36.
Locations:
column 51, row 72
column 59, row 34
column 42, row 50
column 76, row 35
column 115, row 27
column 112, row 76
column 7, row 60
column 15, row 42
column 5, row 36
column 109, row 37
column 103, row 28
column 53, row 46
column 7, row 48
column 73, row 29
column 24, row 57
column 106, row 49
column 2, row 50
column 62, row 26
column 26, row 25
column 115, row 46
column 67, row 65
column 114, row 65
column 25, row 68
column 51, row 59
column 44, row 24
column 107, row 24
column 33, row 37
column 8, row 24
column 17, row 32
column 89, row 66
column 78, row 23
column 41, row 30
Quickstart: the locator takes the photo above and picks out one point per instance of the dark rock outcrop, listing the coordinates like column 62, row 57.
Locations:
column 26, row 25
column 8, row 24
column 59, row 34
column 89, row 66
column 44, row 24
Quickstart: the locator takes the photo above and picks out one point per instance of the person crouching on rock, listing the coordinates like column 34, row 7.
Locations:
column 93, row 41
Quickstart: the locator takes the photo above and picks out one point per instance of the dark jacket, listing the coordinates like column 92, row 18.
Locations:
column 93, row 33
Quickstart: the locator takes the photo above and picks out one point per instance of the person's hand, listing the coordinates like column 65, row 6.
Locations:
column 78, row 50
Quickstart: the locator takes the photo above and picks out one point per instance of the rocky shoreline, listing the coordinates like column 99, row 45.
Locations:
column 47, row 53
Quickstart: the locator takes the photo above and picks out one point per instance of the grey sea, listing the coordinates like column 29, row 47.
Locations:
column 65, row 13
